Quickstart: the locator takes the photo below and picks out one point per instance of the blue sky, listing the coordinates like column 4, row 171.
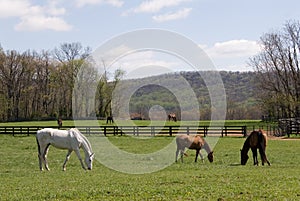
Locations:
column 227, row 30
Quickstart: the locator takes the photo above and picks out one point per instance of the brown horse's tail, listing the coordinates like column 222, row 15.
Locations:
column 262, row 143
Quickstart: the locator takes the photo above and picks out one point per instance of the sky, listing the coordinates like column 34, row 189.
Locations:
column 227, row 30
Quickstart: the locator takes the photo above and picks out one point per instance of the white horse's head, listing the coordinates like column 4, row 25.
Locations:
column 89, row 161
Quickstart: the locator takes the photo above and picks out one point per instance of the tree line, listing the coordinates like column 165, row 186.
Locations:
column 39, row 85
column 278, row 65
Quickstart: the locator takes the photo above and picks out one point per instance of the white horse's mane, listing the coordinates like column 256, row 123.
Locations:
column 83, row 137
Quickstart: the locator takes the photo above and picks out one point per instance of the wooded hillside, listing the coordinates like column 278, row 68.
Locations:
column 240, row 87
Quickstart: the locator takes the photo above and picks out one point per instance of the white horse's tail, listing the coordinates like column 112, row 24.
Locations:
column 38, row 143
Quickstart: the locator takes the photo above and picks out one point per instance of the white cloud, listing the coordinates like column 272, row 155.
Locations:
column 35, row 17
column 154, row 6
column 183, row 13
column 148, row 63
column 234, row 48
column 232, row 55
column 13, row 8
column 52, row 9
column 115, row 3
column 40, row 22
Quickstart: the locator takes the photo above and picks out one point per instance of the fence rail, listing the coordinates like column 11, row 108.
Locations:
column 135, row 130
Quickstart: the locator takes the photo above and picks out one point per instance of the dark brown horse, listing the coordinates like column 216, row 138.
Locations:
column 256, row 140
column 109, row 119
column 59, row 122
column 172, row 116
column 193, row 142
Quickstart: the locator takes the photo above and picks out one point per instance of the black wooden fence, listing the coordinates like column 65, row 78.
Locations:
column 135, row 130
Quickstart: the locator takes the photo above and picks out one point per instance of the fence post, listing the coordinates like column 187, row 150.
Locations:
column 170, row 130
column 152, row 131
column 225, row 130
column 244, row 128
column 121, row 130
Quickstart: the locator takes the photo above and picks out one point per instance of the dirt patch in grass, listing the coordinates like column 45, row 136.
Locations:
column 270, row 137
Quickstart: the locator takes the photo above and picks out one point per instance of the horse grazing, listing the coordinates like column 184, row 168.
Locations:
column 72, row 140
column 59, row 123
column 256, row 140
column 172, row 116
column 193, row 142
column 109, row 119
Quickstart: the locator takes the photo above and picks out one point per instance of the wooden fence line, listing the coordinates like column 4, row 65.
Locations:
column 135, row 130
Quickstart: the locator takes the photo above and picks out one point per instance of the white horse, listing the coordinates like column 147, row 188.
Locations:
column 72, row 140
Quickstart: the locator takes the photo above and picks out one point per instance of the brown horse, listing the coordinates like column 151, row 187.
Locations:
column 172, row 116
column 193, row 142
column 256, row 140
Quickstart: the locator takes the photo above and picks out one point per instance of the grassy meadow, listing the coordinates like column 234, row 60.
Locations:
column 224, row 179
column 248, row 123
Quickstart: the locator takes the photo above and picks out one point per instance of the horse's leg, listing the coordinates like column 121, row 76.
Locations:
column 181, row 155
column 40, row 162
column 67, row 159
column 176, row 155
column 79, row 157
column 178, row 150
column 201, row 156
column 197, row 153
column 254, row 153
column 44, row 156
column 40, row 150
column 262, row 155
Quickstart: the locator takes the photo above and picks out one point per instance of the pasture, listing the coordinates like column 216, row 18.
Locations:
column 248, row 123
column 224, row 179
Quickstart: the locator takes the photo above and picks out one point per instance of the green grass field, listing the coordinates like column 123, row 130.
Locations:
column 224, row 179
column 248, row 123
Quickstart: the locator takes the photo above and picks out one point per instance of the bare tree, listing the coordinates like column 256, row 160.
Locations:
column 279, row 71
column 107, row 84
column 71, row 56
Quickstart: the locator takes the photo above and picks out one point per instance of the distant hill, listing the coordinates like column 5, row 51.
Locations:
column 165, row 90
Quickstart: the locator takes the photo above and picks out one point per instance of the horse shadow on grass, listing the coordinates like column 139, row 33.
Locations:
column 235, row 164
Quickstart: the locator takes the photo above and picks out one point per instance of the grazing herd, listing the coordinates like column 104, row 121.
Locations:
column 73, row 140
column 256, row 140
